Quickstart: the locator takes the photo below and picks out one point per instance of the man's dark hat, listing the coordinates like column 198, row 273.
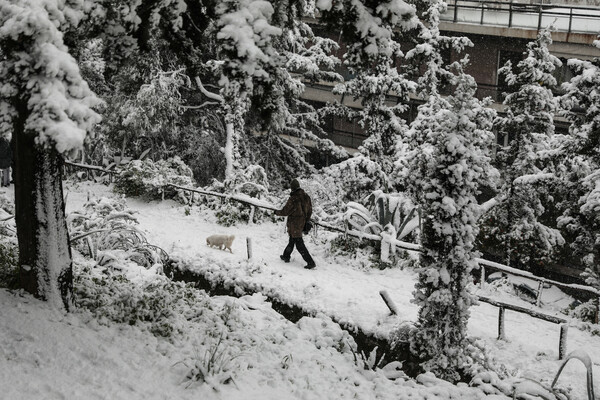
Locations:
column 295, row 184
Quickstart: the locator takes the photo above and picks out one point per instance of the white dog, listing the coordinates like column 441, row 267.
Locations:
column 221, row 241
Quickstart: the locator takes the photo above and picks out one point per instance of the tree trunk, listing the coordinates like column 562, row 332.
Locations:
column 45, row 265
column 229, row 150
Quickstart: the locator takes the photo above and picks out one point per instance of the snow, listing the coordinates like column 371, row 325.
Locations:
column 59, row 100
column 280, row 360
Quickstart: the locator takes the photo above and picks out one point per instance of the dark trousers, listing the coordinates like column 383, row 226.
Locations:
column 299, row 243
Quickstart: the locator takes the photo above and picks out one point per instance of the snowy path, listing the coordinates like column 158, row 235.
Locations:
column 345, row 289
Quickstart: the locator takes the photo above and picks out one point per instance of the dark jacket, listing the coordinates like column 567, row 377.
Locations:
column 298, row 209
column 5, row 153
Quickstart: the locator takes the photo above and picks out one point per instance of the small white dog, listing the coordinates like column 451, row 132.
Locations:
column 221, row 241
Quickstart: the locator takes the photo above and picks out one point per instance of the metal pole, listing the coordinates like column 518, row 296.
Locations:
column 570, row 23
column 510, row 10
column 455, row 10
column 482, row 10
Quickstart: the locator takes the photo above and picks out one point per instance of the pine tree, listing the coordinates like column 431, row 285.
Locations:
column 448, row 160
column 580, row 176
column 453, row 162
column 371, row 31
column 47, row 107
column 245, row 36
column 277, row 108
column 529, row 122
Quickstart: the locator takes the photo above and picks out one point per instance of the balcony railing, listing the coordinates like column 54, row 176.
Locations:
column 513, row 14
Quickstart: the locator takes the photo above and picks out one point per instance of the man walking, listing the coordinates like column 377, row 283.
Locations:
column 298, row 210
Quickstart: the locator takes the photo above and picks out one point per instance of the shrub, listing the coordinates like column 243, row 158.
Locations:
column 151, row 179
column 105, row 231
column 250, row 183
column 8, row 263
column 584, row 311
column 159, row 304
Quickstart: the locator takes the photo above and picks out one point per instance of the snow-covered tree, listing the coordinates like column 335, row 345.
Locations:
column 152, row 118
column 452, row 157
column 448, row 160
column 246, row 55
column 428, row 51
column 266, row 51
column 278, row 105
column 580, row 177
column 371, row 31
column 529, row 123
column 47, row 108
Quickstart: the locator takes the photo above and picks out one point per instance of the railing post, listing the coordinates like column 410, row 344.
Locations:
column 510, row 10
column 251, row 216
column 482, row 276
column 388, row 302
column 570, row 23
column 562, row 344
column 455, row 11
column 540, row 17
column 249, row 247
column 501, row 334
column 482, row 10
column 538, row 300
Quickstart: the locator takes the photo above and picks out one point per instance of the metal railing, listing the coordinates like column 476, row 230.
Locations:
column 515, row 14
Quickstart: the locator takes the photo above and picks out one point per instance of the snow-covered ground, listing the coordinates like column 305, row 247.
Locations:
column 48, row 354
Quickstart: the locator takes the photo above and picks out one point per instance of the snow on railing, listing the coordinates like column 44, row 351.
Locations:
column 390, row 241
column 483, row 263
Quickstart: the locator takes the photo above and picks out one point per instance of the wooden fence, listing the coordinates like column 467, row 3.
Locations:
column 253, row 203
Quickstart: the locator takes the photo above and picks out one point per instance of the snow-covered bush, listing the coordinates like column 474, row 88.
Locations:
column 8, row 262
column 250, row 182
column 351, row 180
column 580, row 175
column 380, row 209
column 105, row 231
column 158, row 305
column 584, row 311
column 448, row 163
column 213, row 365
column 151, row 179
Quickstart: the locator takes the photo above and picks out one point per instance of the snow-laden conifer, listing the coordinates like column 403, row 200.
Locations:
column 529, row 124
column 245, row 36
column 372, row 32
column 445, row 169
column 581, row 174
column 447, row 161
column 283, row 118
column 47, row 108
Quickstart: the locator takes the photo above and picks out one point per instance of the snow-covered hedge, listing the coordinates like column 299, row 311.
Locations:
column 151, row 179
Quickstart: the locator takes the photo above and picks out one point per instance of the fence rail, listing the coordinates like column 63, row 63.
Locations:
column 516, row 14
column 417, row 248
